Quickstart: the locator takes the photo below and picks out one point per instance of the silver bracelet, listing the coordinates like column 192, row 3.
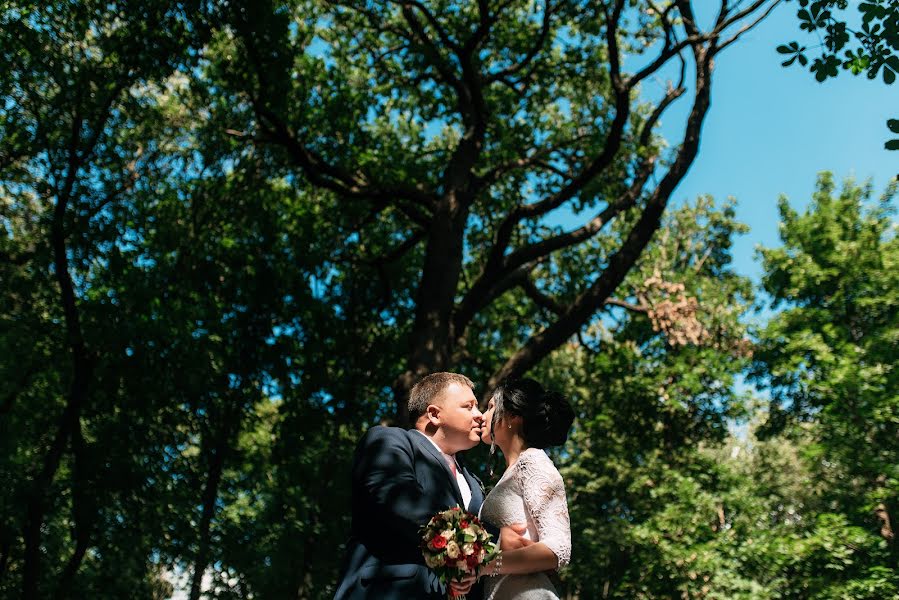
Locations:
column 497, row 565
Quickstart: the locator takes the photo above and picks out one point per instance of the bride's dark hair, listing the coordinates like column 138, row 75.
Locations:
column 547, row 416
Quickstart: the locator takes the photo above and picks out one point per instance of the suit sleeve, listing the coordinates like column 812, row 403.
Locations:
column 385, row 475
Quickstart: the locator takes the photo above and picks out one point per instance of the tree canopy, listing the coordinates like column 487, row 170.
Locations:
column 234, row 234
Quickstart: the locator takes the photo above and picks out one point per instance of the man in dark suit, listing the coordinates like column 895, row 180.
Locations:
column 401, row 478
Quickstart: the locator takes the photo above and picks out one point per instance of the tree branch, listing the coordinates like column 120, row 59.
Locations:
column 432, row 51
column 341, row 182
column 748, row 26
column 319, row 171
column 539, row 298
column 582, row 309
column 500, row 267
column 532, row 52
column 610, row 150
column 432, row 21
column 636, row 308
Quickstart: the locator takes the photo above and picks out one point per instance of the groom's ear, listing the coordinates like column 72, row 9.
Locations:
column 433, row 414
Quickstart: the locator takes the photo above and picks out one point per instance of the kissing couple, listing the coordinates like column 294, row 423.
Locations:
column 403, row 477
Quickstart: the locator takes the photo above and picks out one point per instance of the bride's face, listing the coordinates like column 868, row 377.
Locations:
column 488, row 422
column 487, row 429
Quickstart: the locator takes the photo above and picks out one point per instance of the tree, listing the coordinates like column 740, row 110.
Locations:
column 829, row 356
column 228, row 228
column 458, row 130
column 876, row 47
column 67, row 157
column 652, row 389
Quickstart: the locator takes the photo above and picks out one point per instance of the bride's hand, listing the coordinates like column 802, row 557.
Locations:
column 510, row 537
column 461, row 588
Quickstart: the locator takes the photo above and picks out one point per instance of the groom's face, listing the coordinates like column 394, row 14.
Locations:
column 460, row 419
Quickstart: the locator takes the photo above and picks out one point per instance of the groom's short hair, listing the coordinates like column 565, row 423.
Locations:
column 429, row 388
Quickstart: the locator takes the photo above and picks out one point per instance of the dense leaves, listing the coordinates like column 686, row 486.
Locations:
column 830, row 356
column 232, row 234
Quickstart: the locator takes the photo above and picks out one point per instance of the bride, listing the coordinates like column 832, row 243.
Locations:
column 522, row 418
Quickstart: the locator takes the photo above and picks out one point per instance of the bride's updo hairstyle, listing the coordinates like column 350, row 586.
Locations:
column 546, row 416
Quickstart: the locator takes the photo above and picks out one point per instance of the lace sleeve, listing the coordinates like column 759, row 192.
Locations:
column 544, row 496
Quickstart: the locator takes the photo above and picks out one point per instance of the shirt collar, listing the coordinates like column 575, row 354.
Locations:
column 427, row 437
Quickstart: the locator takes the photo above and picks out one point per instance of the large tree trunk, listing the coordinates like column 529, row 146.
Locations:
column 431, row 339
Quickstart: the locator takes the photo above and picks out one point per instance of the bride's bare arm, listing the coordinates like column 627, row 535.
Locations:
column 512, row 537
column 532, row 559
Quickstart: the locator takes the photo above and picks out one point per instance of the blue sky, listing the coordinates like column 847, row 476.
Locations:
column 772, row 129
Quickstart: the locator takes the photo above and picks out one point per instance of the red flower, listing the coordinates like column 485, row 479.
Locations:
column 438, row 542
column 472, row 561
column 463, row 524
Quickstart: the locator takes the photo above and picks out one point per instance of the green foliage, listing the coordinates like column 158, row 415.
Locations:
column 871, row 49
column 643, row 498
column 243, row 323
column 829, row 359
column 877, row 48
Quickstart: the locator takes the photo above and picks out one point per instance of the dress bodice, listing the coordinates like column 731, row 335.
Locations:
column 531, row 491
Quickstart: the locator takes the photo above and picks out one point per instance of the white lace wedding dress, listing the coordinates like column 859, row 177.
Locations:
column 530, row 491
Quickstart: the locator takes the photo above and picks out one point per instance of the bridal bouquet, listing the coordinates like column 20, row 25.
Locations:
column 455, row 544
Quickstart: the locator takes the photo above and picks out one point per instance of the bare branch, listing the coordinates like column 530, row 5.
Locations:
column 725, row 23
column 664, row 56
column 722, row 14
column 670, row 96
column 686, row 13
column 636, row 308
column 747, row 27
column 610, row 150
column 480, row 294
column 537, row 156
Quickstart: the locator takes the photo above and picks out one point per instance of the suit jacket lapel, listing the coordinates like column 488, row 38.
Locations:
column 431, row 451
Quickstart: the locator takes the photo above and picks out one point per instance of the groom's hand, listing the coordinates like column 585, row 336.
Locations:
column 510, row 537
column 460, row 588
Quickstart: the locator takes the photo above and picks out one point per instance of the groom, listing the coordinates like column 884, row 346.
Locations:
column 401, row 478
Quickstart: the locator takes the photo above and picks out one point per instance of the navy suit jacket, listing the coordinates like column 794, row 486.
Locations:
column 400, row 480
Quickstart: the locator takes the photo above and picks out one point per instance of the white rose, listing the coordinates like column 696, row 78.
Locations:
column 433, row 560
column 467, row 549
column 452, row 549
